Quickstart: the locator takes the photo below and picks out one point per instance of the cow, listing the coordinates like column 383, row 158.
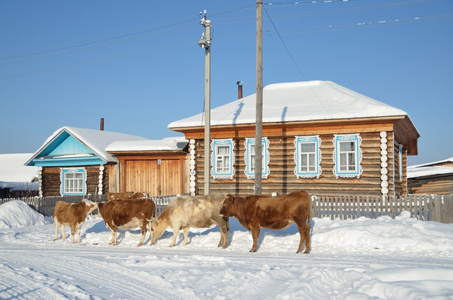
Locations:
column 72, row 215
column 127, row 214
column 191, row 211
column 256, row 212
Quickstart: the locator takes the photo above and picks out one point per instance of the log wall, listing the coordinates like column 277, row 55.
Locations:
column 51, row 180
column 282, row 179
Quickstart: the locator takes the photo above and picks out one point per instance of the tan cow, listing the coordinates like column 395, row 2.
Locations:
column 191, row 211
column 256, row 212
column 127, row 214
column 72, row 215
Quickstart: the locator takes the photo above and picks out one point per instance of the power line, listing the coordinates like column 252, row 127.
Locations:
column 93, row 42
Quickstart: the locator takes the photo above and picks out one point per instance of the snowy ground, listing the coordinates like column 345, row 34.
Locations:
column 352, row 259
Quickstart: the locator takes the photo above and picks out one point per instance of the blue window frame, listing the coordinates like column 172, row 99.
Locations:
column 307, row 156
column 249, row 158
column 73, row 181
column 347, row 155
column 222, row 159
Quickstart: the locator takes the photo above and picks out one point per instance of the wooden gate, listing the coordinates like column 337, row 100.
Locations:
column 153, row 176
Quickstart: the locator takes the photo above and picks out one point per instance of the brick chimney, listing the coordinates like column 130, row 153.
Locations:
column 239, row 83
column 101, row 127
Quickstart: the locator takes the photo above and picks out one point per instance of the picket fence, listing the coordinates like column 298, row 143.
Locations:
column 437, row 208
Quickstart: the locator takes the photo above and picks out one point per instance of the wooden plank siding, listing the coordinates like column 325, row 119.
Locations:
column 282, row 179
column 51, row 180
column 439, row 184
column 162, row 174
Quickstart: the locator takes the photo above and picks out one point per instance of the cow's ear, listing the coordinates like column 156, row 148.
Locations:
column 230, row 198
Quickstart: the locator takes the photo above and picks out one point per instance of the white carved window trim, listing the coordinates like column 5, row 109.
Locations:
column 338, row 154
column 73, row 181
column 249, row 142
column 298, row 141
column 216, row 159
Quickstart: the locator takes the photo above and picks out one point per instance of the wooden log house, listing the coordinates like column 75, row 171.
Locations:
column 75, row 161
column 317, row 136
column 431, row 178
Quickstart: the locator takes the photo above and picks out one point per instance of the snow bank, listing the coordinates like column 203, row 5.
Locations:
column 19, row 214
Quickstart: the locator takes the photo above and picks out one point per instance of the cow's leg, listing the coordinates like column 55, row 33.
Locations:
column 176, row 228
column 223, row 235
column 222, row 222
column 57, row 224
column 143, row 231
column 63, row 234
column 185, row 230
column 255, row 234
column 114, row 240
column 307, row 230
column 304, row 232
column 150, row 232
column 73, row 228
column 78, row 233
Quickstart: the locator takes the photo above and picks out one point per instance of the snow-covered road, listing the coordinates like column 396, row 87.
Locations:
column 352, row 259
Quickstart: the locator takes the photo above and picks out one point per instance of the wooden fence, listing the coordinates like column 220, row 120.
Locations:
column 46, row 205
column 437, row 208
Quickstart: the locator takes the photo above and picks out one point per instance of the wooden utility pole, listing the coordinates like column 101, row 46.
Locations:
column 259, row 98
column 205, row 42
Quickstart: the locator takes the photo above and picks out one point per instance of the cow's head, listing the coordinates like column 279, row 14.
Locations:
column 227, row 204
column 156, row 231
column 152, row 224
column 90, row 205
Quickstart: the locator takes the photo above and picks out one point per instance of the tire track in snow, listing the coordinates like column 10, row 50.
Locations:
column 31, row 281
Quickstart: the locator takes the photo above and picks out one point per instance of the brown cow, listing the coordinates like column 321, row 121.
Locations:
column 72, row 215
column 127, row 214
column 256, row 212
column 191, row 211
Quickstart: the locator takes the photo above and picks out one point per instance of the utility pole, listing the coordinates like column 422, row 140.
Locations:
column 259, row 98
column 205, row 42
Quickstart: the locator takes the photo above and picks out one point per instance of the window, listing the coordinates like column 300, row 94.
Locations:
column 222, row 159
column 73, row 182
column 347, row 155
column 307, row 156
column 250, row 158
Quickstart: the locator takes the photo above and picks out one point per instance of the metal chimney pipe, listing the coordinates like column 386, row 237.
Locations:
column 239, row 83
column 102, row 124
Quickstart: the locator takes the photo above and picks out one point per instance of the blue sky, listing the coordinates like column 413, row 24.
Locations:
column 137, row 63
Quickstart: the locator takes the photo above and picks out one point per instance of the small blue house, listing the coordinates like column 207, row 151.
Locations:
column 74, row 161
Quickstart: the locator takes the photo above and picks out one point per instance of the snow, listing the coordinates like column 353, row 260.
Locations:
column 14, row 174
column 413, row 172
column 296, row 101
column 400, row 258
column 431, row 169
column 19, row 214
column 149, row 145
column 95, row 140
column 13, row 169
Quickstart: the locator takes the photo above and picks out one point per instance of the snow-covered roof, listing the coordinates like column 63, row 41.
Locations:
column 430, row 169
column 296, row 101
column 448, row 160
column 167, row 144
column 414, row 172
column 96, row 140
column 12, row 168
